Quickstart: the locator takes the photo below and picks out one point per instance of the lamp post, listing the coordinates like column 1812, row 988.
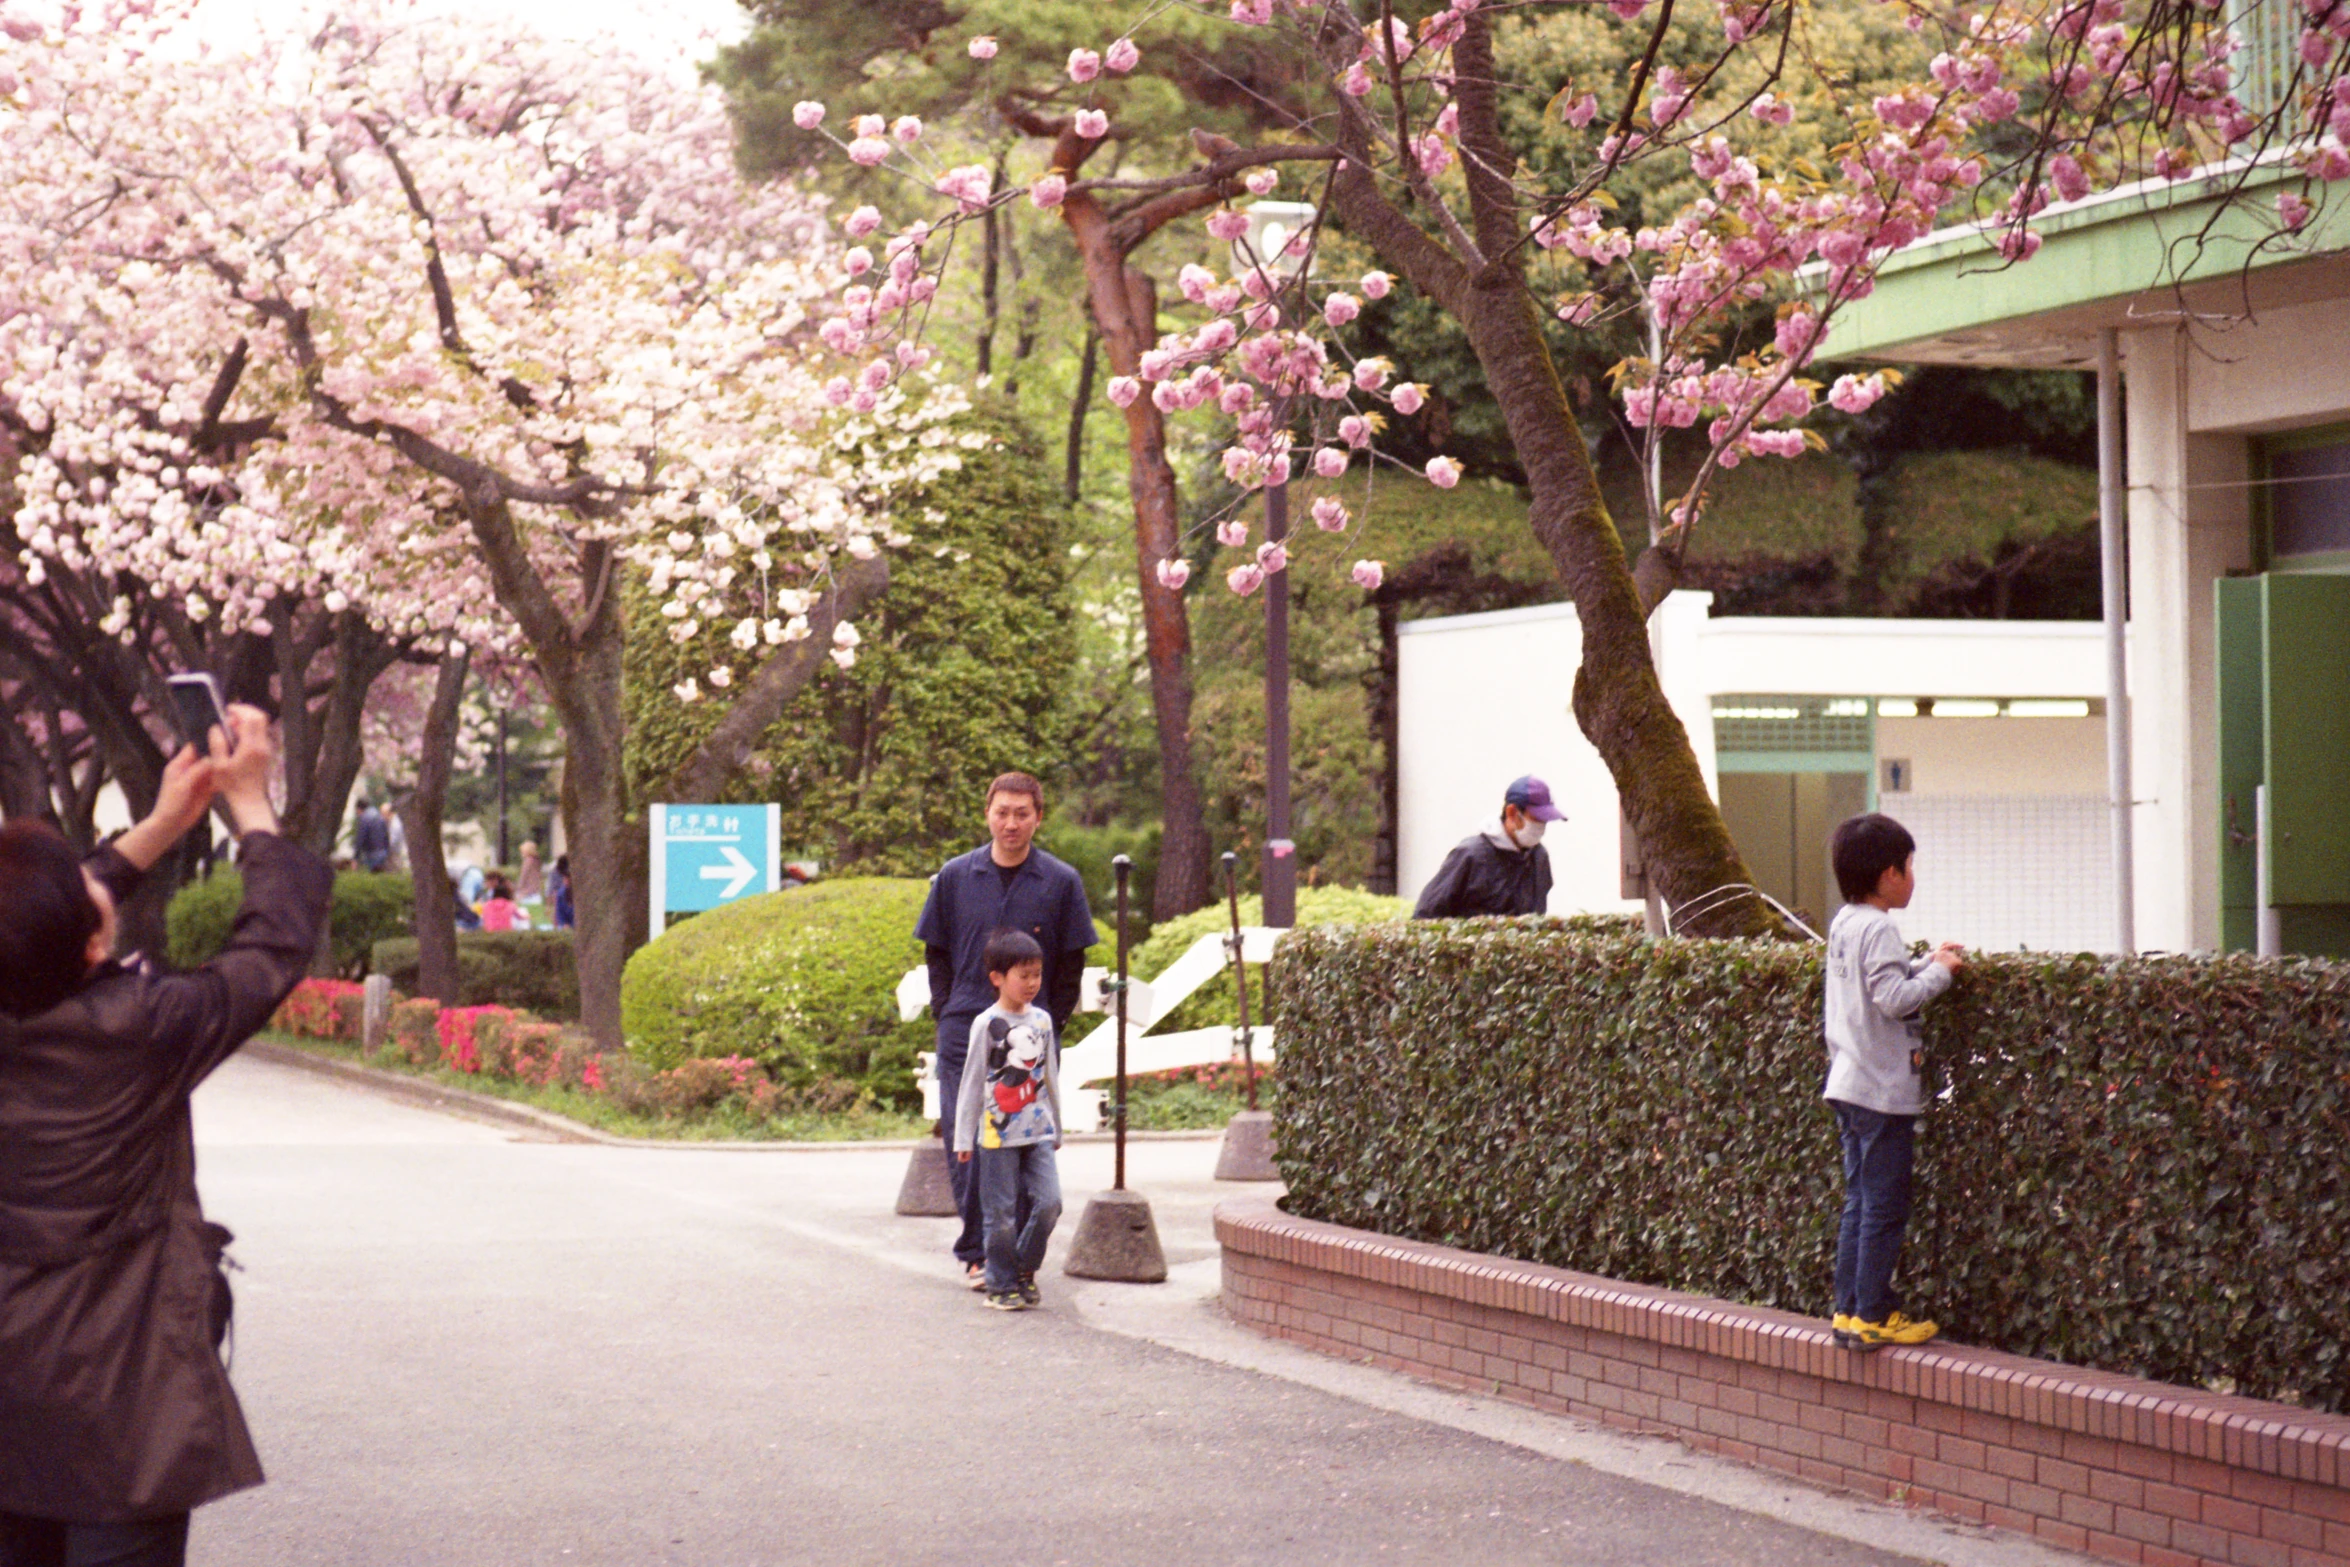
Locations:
column 1272, row 225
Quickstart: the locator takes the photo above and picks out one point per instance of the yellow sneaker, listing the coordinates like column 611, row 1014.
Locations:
column 1844, row 1329
column 1895, row 1329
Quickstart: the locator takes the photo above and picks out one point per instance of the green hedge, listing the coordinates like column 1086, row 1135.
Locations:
column 369, row 907
column 802, row 982
column 2137, row 1165
column 530, row 970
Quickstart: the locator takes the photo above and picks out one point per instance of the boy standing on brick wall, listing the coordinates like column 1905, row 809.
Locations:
column 1008, row 1113
column 1875, row 992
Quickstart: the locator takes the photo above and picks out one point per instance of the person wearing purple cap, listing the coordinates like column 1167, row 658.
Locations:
column 1503, row 869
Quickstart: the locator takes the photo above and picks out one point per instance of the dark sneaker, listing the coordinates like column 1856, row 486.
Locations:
column 1895, row 1329
column 1028, row 1290
column 1009, row 1300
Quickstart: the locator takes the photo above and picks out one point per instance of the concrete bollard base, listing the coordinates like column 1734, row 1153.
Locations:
column 1248, row 1148
column 375, row 1014
column 1117, row 1240
column 928, row 1192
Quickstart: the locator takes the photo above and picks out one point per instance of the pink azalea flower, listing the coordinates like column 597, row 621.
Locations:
column 982, row 48
column 1084, row 65
column 1122, row 56
column 807, row 114
column 1330, row 514
column 1443, row 472
column 1368, row 574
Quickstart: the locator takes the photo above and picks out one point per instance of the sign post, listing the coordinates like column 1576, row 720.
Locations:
column 707, row 856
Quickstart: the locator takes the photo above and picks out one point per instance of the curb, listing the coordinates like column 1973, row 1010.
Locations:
column 488, row 1107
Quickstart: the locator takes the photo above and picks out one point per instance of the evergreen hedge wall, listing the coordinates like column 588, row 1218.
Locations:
column 2137, row 1165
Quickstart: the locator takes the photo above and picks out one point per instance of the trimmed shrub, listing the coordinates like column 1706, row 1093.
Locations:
column 804, row 983
column 1216, row 1002
column 413, row 1033
column 368, row 907
column 529, row 970
column 2134, row 1164
column 321, row 1009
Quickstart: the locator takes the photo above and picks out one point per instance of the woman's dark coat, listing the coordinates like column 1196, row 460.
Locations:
column 114, row 1405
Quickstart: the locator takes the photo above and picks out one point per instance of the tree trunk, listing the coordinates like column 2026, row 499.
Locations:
column 1619, row 701
column 420, row 815
column 1073, row 459
column 1125, row 309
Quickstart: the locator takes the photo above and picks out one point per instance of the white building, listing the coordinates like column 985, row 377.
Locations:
column 1985, row 738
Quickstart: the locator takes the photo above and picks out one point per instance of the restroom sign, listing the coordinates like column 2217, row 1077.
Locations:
column 707, row 856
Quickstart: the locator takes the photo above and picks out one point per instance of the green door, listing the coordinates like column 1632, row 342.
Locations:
column 2305, row 661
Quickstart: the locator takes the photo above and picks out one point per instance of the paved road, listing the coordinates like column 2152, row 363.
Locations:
column 460, row 1344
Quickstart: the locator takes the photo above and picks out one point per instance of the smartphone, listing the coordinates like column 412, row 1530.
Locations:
column 196, row 701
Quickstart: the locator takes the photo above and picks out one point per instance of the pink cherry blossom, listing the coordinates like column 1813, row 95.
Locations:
column 1245, row 579
column 1173, row 574
column 969, row 184
column 1355, row 430
column 982, row 47
column 1232, row 533
column 1261, row 182
column 1273, row 557
column 1122, row 56
column 1084, row 65
column 1049, row 190
column 907, row 128
column 1092, row 124
column 857, row 262
column 862, row 222
column 1355, row 81
column 1339, row 309
column 1330, row 462
column 1854, row 394
column 807, row 114
column 1329, row 514
column 1368, row 574
column 2293, row 210
column 1226, row 224
column 868, row 151
column 1443, row 472
column 1375, row 285
column 1124, row 389
column 1408, row 397
column 1371, row 374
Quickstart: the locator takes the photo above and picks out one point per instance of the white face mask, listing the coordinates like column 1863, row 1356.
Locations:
column 1530, row 834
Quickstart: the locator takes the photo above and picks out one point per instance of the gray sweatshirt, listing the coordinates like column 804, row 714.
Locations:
column 1011, row 1091
column 1875, row 989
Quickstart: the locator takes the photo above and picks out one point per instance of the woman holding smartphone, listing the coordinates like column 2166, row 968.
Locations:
column 116, row 1415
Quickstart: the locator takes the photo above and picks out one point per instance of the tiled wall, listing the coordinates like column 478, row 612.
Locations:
column 2004, row 871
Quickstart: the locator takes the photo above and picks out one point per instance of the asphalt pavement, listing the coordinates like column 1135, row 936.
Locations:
column 468, row 1343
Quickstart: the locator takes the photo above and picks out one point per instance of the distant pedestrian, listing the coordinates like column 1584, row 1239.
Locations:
column 371, row 838
column 1875, row 1085
column 530, row 882
column 472, row 882
column 116, row 1414
column 1006, row 883
column 559, row 891
column 1008, row 1121
column 499, row 911
column 1503, row 867
column 467, row 916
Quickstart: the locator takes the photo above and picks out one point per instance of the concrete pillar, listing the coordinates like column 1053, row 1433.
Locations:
column 2188, row 526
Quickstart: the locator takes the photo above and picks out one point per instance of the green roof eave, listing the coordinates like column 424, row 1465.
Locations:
column 1951, row 289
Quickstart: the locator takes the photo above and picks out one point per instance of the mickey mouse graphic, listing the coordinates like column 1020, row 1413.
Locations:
column 1015, row 1067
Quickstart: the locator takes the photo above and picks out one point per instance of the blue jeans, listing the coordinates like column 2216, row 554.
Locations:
column 1020, row 1196
column 1877, row 1154
column 968, row 1248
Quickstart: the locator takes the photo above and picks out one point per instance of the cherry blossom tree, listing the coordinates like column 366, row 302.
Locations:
column 514, row 329
column 2021, row 103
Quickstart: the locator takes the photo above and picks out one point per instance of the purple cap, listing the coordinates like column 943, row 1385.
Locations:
column 1531, row 795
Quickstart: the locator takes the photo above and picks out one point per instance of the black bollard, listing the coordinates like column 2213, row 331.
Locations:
column 1117, row 1239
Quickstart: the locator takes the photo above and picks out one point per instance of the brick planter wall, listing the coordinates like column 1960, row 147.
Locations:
column 2129, row 1470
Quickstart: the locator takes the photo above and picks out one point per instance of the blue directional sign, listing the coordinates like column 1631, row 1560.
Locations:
column 708, row 855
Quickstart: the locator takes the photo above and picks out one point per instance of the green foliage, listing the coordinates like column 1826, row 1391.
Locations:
column 368, row 906
column 531, row 970
column 1089, row 851
column 1216, row 1002
column 960, row 677
column 802, row 982
column 2171, row 1128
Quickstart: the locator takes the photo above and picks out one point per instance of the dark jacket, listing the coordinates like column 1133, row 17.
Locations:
column 1482, row 877
column 968, row 899
column 114, row 1405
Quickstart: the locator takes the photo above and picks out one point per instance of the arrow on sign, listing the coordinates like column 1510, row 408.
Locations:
column 736, row 872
